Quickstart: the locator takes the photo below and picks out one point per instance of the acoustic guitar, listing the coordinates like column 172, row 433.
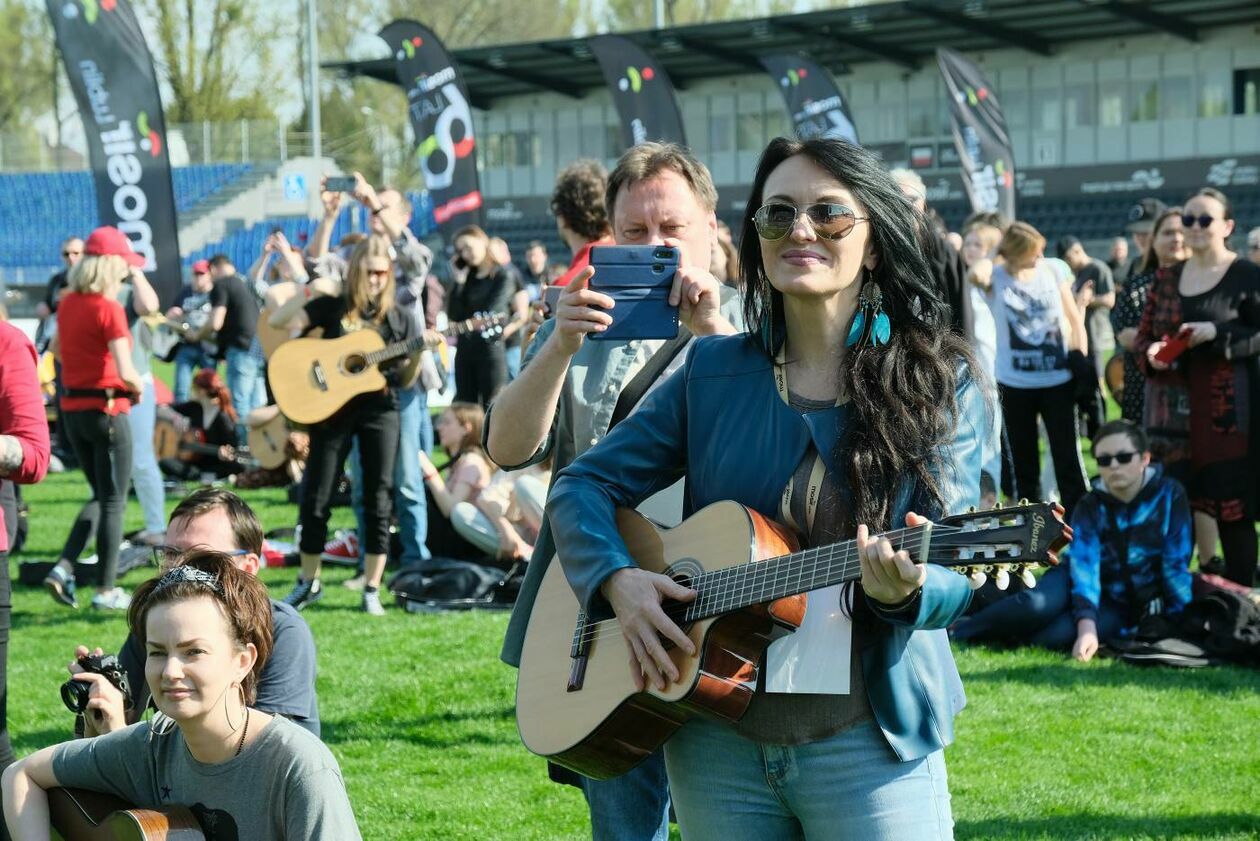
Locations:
column 174, row 438
column 90, row 816
column 268, row 436
column 270, row 337
column 313, row 378
column 576, row 702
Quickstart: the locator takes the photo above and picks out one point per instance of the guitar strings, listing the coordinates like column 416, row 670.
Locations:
column 718, row 596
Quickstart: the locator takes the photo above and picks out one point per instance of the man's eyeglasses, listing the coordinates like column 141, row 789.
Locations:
column 1205, row 220
column 775, row 220
column 1121, row 458
column 165, row 556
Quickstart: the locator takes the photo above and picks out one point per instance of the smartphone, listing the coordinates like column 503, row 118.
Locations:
column 550, row 295
column 1174, row 347
column 339, row 184
column 638, row 278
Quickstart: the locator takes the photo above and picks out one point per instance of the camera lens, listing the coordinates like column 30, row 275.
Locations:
column 74, row 694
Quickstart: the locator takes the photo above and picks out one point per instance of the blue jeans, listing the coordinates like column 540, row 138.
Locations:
column 513, row 357
column 1040, row 616
column 416, row 432
column 244, row 380
column 632, row 807
column 188, row 359
column 848, row 786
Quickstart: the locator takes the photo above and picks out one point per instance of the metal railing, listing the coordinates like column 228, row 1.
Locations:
column 243, row 141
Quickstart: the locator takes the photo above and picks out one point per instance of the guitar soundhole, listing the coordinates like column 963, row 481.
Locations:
column 681, row 571
column 355, row 363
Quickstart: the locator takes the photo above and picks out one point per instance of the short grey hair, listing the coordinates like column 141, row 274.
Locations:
column 909, row 179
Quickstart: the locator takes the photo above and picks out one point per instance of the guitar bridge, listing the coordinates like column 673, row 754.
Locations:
column 579, row 654
column 577, row 674
column 317, row 371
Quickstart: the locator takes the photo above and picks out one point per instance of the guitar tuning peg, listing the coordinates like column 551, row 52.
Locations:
column 976, row 578
column 1026, row 576
column 971, row 510
column 1023, row 501
column 1002, row 578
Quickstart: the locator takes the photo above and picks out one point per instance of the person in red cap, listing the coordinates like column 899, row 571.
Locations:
column 94, row 345
column 194, row 309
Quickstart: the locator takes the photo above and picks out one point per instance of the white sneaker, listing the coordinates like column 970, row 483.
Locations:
column 372, row 603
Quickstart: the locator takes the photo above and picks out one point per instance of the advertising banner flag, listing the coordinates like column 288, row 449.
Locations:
column 642, row 91
column 111, row 74
column 984, row 147
column 441, row 117
column 812, row 98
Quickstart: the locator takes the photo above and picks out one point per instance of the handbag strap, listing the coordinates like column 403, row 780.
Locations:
column 648, row 374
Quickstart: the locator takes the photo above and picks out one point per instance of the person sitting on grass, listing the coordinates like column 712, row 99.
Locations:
column 468, row 472
column 206, row 628
column 211, row 415
column 1130, row 558
column 217, row 519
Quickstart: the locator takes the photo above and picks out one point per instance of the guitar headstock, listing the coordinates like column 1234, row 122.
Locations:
column 488, row 324
column 1001, row 541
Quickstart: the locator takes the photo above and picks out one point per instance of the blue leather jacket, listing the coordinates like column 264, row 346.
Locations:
column 720, row 421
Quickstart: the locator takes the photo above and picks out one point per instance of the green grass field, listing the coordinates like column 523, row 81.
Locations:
column 418, row 711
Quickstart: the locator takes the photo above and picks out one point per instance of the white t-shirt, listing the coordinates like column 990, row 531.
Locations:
column 1032, row 328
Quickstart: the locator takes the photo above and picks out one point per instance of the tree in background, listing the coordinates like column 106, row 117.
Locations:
column 27, row 66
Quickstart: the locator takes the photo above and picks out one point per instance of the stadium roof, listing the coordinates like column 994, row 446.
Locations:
column 905, row 33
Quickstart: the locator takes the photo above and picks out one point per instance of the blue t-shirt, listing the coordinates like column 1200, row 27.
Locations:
column 287, row 684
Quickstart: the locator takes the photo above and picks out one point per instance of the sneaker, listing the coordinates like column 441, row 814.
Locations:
column 115, row 599
column 357, row 583
column 344, row 549
column 60, row 584
column 304, row 592
column 372, row 603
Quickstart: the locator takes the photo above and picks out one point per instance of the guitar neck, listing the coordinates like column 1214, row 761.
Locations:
column 734, row 588
column 410, row 346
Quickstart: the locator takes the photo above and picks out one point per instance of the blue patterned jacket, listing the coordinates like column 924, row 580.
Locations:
column 1136, row 554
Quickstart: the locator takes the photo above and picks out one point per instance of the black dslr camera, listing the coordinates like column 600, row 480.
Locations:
column 74, row 693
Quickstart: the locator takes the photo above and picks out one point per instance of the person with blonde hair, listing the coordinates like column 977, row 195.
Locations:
column 1038, row 325
column 101, row 382
column 366, row 302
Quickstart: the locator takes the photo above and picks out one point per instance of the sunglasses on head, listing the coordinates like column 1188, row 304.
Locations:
column 775, row 220
column 1120, row 458
column 1204, row 220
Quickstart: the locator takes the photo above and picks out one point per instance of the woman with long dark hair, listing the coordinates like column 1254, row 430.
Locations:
column 1167, row 249
column 206, row 629
column 849, row 390
column 1213, row 301
column 366, row 303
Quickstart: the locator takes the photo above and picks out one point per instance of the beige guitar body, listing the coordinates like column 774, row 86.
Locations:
column 270, row 337
column 268, row 432
column 313, row 378
column 89, row 816
column 606, row 727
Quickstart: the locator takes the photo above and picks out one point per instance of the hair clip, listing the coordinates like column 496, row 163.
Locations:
column 188, row 575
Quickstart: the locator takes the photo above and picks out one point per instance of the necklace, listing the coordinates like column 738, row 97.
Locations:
column 241, row 744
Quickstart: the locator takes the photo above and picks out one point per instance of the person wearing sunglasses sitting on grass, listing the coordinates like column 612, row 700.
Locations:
column 1130, row 558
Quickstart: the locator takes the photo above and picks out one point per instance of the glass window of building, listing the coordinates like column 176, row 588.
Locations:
column 1111, row 104
column 921, row 119
column 1247, row 91
column 1214, row 94
column 1143, row 100
column 1078, row 106
column 1048, row 108
column 721, row 132
column 1015, row 108
column 1176, row 98
column 750, row 132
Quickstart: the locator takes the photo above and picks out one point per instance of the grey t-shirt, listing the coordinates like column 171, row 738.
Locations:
column 285, row 786
column 287, row 683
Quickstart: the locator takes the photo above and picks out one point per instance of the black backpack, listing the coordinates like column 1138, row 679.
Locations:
column 449, row 584
column 1226, row 624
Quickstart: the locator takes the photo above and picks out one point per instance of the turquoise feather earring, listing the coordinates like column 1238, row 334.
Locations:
column 870, row 324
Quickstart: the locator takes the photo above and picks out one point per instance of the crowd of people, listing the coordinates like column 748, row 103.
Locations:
column 845, row 365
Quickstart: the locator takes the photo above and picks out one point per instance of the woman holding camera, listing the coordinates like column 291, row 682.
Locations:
column 94, row 345
column 206, row 627
column 366, row 303
column 843, row 313
column 1212, row 303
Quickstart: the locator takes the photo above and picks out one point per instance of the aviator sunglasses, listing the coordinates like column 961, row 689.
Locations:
column 1204, row 220
column 1120, row 458
column 829, row 220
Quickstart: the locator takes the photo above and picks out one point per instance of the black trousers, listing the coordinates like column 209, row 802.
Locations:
column 1057, row 409
column 480, row 371
column 374, row 420
column 102, row 443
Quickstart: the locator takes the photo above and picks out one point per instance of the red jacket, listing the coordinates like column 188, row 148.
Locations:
column 22, row 409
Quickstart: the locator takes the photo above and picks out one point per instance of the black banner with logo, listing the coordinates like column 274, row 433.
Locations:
column 984, row 147
column 641, row 90
column 441, row 117
column 111, row 74
column 812, row 98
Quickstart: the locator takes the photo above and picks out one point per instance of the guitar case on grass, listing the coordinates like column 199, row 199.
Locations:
column 449, row 584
